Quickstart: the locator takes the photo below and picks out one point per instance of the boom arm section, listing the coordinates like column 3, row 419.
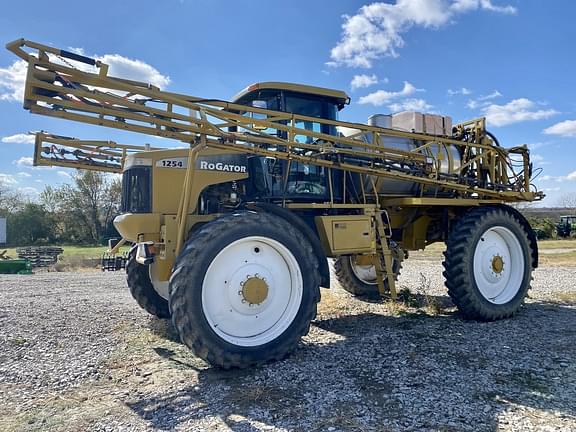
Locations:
column 107, row 156
column 74, row 87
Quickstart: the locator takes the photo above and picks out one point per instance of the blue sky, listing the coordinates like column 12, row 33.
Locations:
column 510, row 60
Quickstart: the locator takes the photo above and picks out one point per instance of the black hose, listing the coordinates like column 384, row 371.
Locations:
column 491, row 135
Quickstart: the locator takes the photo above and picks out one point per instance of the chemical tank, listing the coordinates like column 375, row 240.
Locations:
column 443, row 154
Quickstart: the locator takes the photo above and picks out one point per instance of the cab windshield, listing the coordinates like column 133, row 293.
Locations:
column 294, row 179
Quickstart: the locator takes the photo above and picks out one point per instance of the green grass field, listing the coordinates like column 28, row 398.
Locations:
column 552, row 252
column 80, row 252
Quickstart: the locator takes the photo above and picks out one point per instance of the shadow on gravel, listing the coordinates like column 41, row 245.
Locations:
column 380, row 372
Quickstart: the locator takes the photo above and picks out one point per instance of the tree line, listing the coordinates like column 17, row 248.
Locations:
column 77, row 213
column 82, row 212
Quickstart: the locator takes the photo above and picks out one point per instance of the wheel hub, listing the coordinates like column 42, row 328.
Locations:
column 497, row 264
column 254, row 290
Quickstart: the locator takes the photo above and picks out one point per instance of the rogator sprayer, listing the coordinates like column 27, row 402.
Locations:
column 232, row 233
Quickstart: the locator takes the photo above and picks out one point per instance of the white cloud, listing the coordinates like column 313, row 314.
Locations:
column 472, row 104
column 7, row 179
column 381, row 97
column 463, row 91
column 469, row 5
column 560, row 179
column 77, row 50
column 539, row 159
column 483, row 100
column 566, row 128
column 376, row 29
column 515, row 111
column 410, row 105
column 12, row 78
column 12, row 81
column 489, row 96
column 24, row 161
column 64, row 174
column 19, row 139
column 537, row 145
column 361, row 81
column 24, row 174
column 28, row 190
column 134, row 69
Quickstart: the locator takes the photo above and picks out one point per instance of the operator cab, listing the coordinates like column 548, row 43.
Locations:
column 303, row 182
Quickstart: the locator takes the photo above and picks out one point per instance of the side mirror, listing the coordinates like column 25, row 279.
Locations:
column 262, row 104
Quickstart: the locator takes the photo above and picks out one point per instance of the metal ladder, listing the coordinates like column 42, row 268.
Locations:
column 383, row 251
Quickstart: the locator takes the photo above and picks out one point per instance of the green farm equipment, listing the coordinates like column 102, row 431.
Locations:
column 14, row 266
column 567, row 226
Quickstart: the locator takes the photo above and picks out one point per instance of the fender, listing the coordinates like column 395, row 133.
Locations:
column 305, row 229
column 531, row 235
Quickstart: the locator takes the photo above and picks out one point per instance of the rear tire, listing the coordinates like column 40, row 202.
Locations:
column 141, row 288
column 488, row 263
column 244, row 290
column 359, row 280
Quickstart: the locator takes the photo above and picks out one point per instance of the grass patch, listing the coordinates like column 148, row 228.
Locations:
column 431, row 303
column 566, row 297
column 562, row 252
column 567, row 259
column 557, row 244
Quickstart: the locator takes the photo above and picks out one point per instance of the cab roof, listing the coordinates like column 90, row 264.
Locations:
column 340, row 97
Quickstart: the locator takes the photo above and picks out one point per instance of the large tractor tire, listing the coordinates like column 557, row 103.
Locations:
column 141, row 288
column 488, row 263
column 360, row 280
column 244, row 290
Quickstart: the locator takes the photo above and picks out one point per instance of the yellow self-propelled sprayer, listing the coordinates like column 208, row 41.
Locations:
column 232, row 233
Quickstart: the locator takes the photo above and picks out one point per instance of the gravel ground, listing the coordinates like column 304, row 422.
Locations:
column 76, row 353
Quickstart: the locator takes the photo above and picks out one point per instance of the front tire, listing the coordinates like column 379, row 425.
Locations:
column 488, row 264
column 244, row 290
column 141, row 288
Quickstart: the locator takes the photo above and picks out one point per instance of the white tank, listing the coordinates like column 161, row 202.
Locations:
column 388, row 186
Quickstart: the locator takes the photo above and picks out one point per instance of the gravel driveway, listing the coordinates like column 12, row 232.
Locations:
column 76, row 353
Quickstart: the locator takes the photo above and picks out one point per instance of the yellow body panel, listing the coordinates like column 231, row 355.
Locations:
column 168, row 177
column 346, row 234
column 134, row 226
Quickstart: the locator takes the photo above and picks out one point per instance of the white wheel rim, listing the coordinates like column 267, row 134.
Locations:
column 225, row 307
column 498, row 265
column 366, row 273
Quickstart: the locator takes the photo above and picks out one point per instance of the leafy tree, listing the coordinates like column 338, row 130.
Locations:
column 86, row 208
column 10, row 201
column 545, row 228
column 568, row 201
column 31, row 224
